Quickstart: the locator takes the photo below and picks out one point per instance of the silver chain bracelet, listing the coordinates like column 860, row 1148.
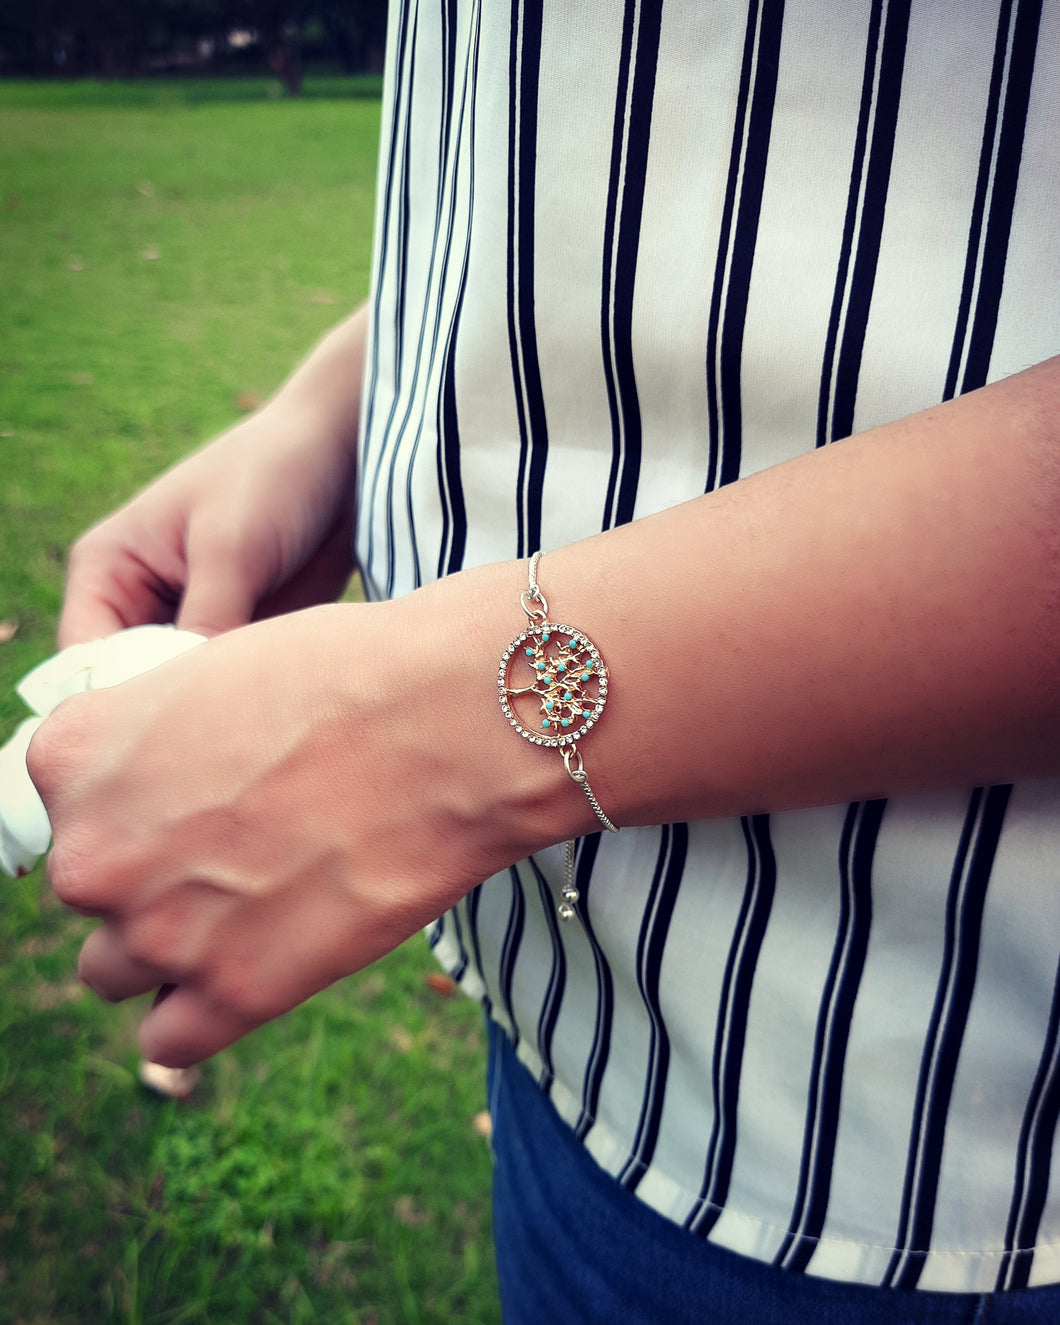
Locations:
column 558, row 699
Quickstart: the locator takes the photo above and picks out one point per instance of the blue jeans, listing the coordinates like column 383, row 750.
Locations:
column 575, row 1248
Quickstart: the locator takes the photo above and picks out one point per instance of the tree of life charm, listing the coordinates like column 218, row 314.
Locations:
column 552, row 684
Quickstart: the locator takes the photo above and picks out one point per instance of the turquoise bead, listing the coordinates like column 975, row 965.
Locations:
column 545, row 723
column 566, row 722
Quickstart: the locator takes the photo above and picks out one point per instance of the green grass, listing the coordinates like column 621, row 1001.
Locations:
column 167, row 251
column 175, row 91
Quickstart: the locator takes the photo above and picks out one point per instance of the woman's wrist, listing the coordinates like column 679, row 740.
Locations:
column 510, row 796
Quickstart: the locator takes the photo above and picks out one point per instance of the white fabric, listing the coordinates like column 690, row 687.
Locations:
column 619, row 249
column 25, row 832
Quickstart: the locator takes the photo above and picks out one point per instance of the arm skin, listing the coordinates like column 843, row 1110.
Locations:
column 880, row 616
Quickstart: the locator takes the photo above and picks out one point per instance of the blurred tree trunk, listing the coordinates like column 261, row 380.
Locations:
column 284, row 50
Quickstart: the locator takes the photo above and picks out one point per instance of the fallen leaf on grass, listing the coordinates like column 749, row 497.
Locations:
column 14, row 202
column 323, row 297
column 442, row 984
column 42, row 945
column 248, row 402
column 408, row 1211
column 400, row 1039
column 47, row 996
column 74, row 264
column 371, row 983
column 146, row 189
column 151, row 253
column 482, row 1123
column 172, row 1083
column 8, row 630
column 81, row 379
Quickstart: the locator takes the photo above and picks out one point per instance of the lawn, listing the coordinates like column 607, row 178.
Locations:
column 167, row 252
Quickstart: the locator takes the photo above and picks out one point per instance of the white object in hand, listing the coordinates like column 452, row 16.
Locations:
column 24, row 829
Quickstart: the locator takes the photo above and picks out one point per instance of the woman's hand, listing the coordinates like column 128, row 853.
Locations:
column 285, row 804
column 256, row 523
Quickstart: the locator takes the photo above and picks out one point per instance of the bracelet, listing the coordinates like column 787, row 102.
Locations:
column 563, row 696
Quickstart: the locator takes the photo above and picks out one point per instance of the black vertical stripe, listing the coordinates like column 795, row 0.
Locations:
column 857, row 851
column 736, row 243
column 446, row 925
column 401, row 347
column 1034, row 1158
column 965, row 906
column 412, row 361
column 651, row 946
column 453, row 542
column 557, row 980
column 451, row 153
column 995, row 195
column 605, row 992
column 524, row 71
column 449, row 11
column 625, row 205
column 450, row 484
column 472, row 903
column 427, row 337
column 513, row 935
column 730, row 1031
column 393, row 253
column 863, row 227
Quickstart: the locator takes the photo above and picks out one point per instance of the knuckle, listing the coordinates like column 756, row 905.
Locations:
column 153, row 937
column 71, row 876
column 97, row 979
column 87, row 547
column 250, row 997
column 143, row 943
column 92, row 552
column 42, row 756
column 56, row 749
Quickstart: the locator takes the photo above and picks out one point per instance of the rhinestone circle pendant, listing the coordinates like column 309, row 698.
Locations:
column 552, row 684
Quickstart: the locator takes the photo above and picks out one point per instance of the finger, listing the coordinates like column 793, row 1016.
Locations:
column 107, row 590
column 221, row 595
column 185, row 1027
column 322, row 579
column 109, row 971
column 85, row 618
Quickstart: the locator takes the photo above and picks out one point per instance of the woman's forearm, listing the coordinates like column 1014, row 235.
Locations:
column 305, row 792
column 326, row 387
column 876, row 617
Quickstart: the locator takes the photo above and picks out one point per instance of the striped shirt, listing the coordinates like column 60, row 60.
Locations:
column 626, row 253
